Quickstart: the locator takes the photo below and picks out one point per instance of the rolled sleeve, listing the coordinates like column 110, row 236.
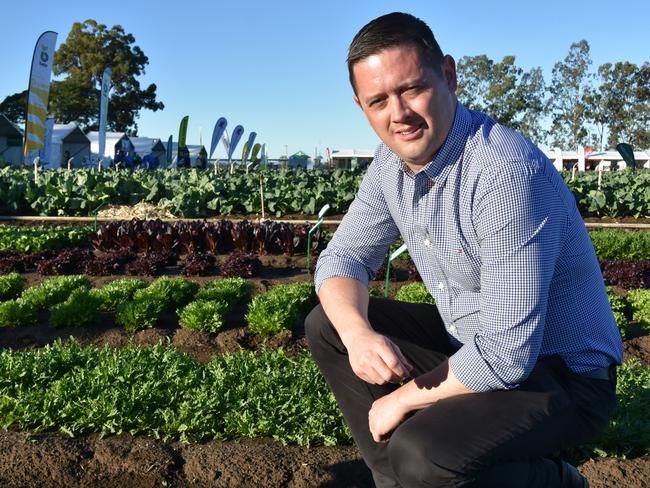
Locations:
column 520, row 221
column 361, row 241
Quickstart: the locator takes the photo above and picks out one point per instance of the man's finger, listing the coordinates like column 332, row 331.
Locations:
column 394, row 360
column 405, row 362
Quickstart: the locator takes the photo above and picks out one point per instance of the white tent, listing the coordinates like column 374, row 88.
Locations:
column 11, row 141
column 194, row 150
column 69, row 140
column 148, row 145
column 114, row 142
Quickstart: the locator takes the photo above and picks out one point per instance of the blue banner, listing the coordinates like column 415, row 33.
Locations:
column 236, row 136
column 219, row 127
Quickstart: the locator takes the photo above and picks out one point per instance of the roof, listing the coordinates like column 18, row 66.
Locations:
column 8, row 128
column 68, row 133
column 299, row 155
column 353, row 153
column 112, row 138
column 146, row 145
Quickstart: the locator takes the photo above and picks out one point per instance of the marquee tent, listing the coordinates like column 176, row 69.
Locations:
column 70, row 138
column 11, row 141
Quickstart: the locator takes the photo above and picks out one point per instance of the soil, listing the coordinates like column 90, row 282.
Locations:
column 52, row 459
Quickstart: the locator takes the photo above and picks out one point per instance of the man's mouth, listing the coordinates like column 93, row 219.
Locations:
column 409, row 132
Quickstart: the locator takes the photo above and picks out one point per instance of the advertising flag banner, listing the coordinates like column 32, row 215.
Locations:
column 182, row 132
column 236, row 135
column 46, row 154
column 244, row 153
column 250, row 142
column 256, row 150
column 39, row 92
column 226, row 141
column 169, row 155
column 219, row 127
column 103, row 110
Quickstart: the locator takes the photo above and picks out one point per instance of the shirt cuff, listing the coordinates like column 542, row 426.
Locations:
column 340, row 267
column 473, row 371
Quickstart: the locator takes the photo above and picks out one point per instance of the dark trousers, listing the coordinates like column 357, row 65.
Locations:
column 494, row 439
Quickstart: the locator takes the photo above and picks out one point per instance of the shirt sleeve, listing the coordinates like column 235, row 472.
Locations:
column 520, row 219
column 361, row 241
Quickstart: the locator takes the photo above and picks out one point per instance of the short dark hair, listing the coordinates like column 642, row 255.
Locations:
column 391, row 30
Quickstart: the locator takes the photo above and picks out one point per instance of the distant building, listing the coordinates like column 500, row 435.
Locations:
column 351, row 158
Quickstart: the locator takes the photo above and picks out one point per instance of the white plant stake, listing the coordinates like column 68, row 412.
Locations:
column 600, row 174
column 399, row 251
column 37, row 160
column 321, row 215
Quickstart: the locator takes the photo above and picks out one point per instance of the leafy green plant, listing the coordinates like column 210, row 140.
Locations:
column 281, row 308
column 203, row 315
column 34, row 239
column 53, row 290
column 81, row 308
column 171, row 292
column 621, row 244
column 117, row 292
column 639, row 301
column 628, row 433
column 619, row 307
column 17, row 313
column 11, row 285
column 229, row 290
column 414, row 293
column 140, row 314
column 160, row 392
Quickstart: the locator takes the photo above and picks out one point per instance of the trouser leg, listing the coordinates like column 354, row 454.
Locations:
column 419, row 333
column 488, row 439
column 501, row 438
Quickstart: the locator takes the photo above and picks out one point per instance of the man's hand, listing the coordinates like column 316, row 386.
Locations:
column 384, row 417
column 375, row 358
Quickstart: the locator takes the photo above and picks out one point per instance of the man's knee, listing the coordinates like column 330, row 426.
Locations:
column 414, row 457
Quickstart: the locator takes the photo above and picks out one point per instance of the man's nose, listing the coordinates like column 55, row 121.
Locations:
column 399, row 109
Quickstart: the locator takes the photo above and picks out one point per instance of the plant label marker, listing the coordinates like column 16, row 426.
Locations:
column 321, row 215
column 397, row 252
column 37, row 160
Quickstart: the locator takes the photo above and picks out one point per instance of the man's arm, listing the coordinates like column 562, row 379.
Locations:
column 390, row 410
column 373, row 357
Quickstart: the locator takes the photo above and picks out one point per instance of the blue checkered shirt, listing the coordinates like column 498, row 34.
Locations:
column 498, row 240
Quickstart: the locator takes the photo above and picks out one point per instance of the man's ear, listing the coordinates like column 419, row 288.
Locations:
column 449, row 72
column 357, row 101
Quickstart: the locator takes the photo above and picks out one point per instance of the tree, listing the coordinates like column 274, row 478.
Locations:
column 89, row 48
column 14, row 107
column 570, row 86
column 622, row 103
column 504, row 91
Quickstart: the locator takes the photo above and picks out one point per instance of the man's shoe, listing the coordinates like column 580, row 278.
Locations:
column 571, row 477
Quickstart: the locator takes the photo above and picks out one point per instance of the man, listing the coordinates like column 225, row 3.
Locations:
column 517, row 358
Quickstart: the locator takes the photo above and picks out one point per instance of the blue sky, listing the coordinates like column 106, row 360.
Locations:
column 278, row 67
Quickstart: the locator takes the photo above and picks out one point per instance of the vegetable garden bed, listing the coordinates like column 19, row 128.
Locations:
column 243, row 444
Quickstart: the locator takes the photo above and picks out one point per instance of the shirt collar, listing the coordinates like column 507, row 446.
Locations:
column 438, row 169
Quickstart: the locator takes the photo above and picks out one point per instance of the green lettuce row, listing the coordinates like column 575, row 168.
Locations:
column 163, row 393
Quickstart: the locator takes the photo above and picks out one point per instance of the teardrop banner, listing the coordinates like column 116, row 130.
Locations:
column 103, row 110
column 626, row 151
column 249, row 147
column 39, row 92
column 256, row 151
column 182, row 137
column 236, row 136
column 226, row 141
column 219, row 127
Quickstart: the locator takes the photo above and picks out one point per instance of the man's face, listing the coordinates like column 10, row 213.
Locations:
column 408, row 104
